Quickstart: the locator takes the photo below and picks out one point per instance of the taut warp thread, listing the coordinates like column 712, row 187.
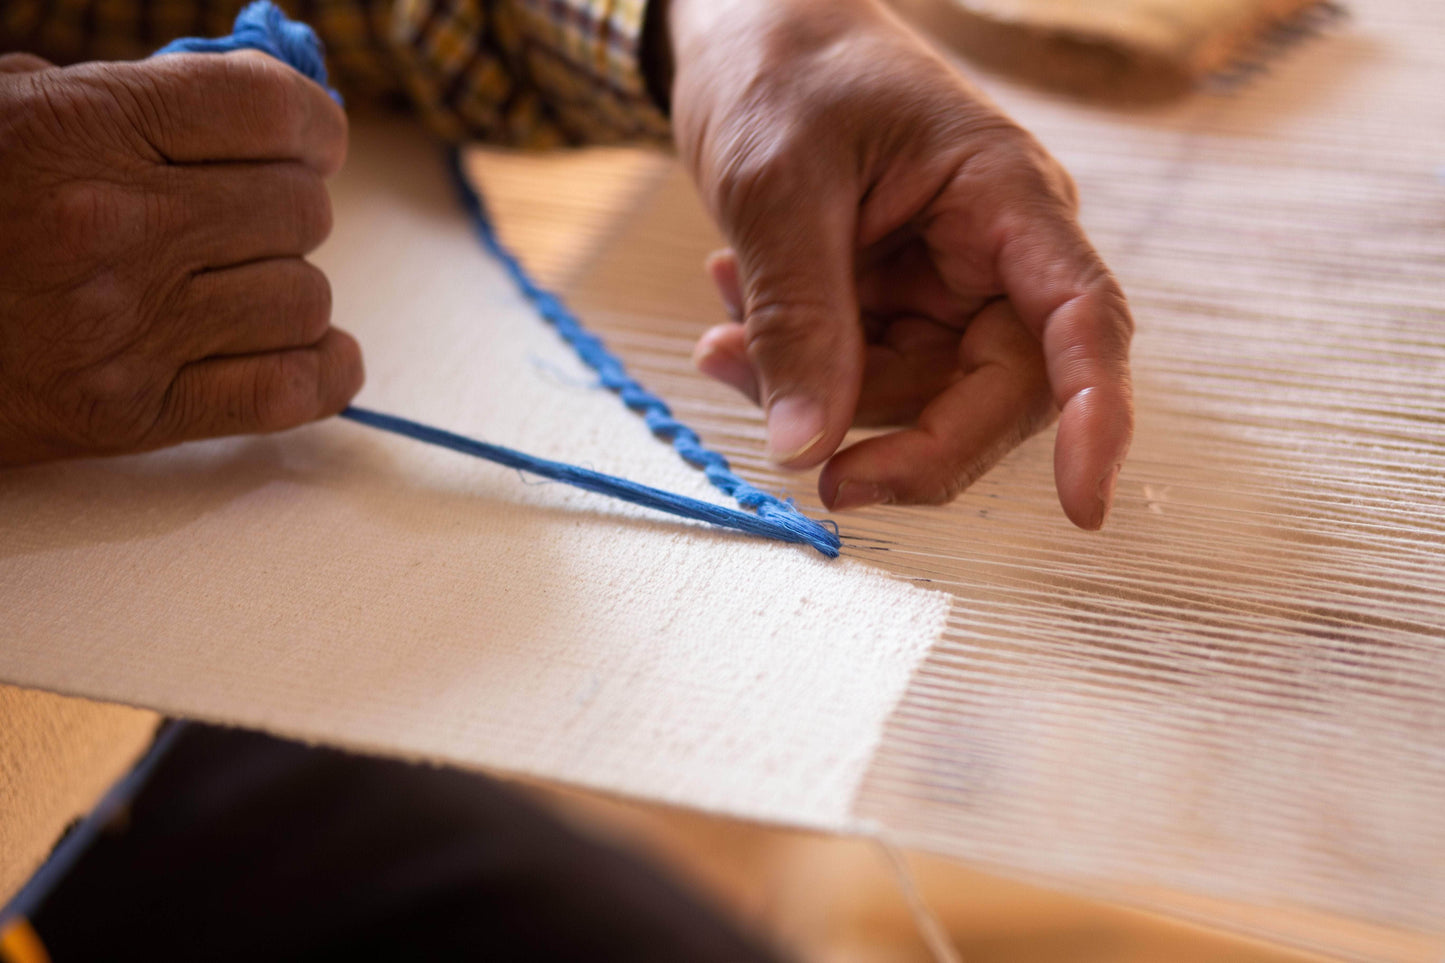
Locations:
column 262, row 26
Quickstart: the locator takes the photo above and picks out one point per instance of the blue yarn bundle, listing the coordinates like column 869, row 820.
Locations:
column 262, row 26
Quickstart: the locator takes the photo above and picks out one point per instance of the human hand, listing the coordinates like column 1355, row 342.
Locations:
column 902, row 253
column 153, row 222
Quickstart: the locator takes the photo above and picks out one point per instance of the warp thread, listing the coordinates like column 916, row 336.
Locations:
column 262, row 26
column 932, row 931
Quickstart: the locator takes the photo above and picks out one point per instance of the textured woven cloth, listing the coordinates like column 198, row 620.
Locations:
column 340, row 585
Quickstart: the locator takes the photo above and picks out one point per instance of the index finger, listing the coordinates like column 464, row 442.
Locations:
column 240, row 106
column 1064, row 294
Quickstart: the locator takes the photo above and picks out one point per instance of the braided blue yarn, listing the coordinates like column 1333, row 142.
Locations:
column 613, row 375
column 262, row 26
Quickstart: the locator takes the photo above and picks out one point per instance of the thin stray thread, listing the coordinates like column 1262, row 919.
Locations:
column 935, row 937
column 262, row 26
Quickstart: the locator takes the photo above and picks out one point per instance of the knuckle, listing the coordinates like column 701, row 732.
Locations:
column 1062, row 184
column 939, row 483
column 1106, row 303
column 149, row 100
column 286, row 390
column 20, row 62
column 111, row 386
column 82, row 118
column 1036, row 192
column 344, row 372
column 778, row 329
column 761, row 174
column 94, row 321
column 183, row 410
column 307, row 204
column 339, row 141
column 1014, row 156
column 316, row 201
column 270, row 98
column 944, row 491
column 111, row 405
column 84, row 218
column 1024, row 148
column 309, row 300
column 1117, row 307
column 956, row 478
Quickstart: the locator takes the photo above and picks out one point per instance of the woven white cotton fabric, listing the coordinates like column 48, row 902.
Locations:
column 344, row 586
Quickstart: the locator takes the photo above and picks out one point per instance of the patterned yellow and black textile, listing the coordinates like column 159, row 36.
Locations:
column 536, row 73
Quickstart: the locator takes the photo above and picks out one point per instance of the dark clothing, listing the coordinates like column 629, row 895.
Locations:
column 246, row 848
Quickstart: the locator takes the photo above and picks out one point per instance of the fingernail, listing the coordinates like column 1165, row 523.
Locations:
column 856, row 494
column 795, row 425
column 1106, row 493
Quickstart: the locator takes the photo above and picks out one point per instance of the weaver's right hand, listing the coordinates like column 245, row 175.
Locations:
column 902, row 254
column 154, row 217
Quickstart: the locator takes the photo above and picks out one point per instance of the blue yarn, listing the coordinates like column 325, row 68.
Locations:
column 609, row 485
column 613, row 375
column 262, row 26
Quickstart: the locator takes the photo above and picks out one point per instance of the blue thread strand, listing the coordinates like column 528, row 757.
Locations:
column 262, row 26
column 592, row 481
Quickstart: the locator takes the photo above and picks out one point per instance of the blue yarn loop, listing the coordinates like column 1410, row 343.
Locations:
column 262, row 26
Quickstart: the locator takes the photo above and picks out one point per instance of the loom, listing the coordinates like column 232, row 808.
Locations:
column 1227, row 706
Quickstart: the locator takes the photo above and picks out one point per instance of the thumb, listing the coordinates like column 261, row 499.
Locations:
column 800, row 314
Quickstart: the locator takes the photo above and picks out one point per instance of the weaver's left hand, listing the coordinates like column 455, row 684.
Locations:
column 902, row 253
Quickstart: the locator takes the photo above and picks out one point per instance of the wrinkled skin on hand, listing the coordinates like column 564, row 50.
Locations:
column 901, row 254
column 153, row 286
